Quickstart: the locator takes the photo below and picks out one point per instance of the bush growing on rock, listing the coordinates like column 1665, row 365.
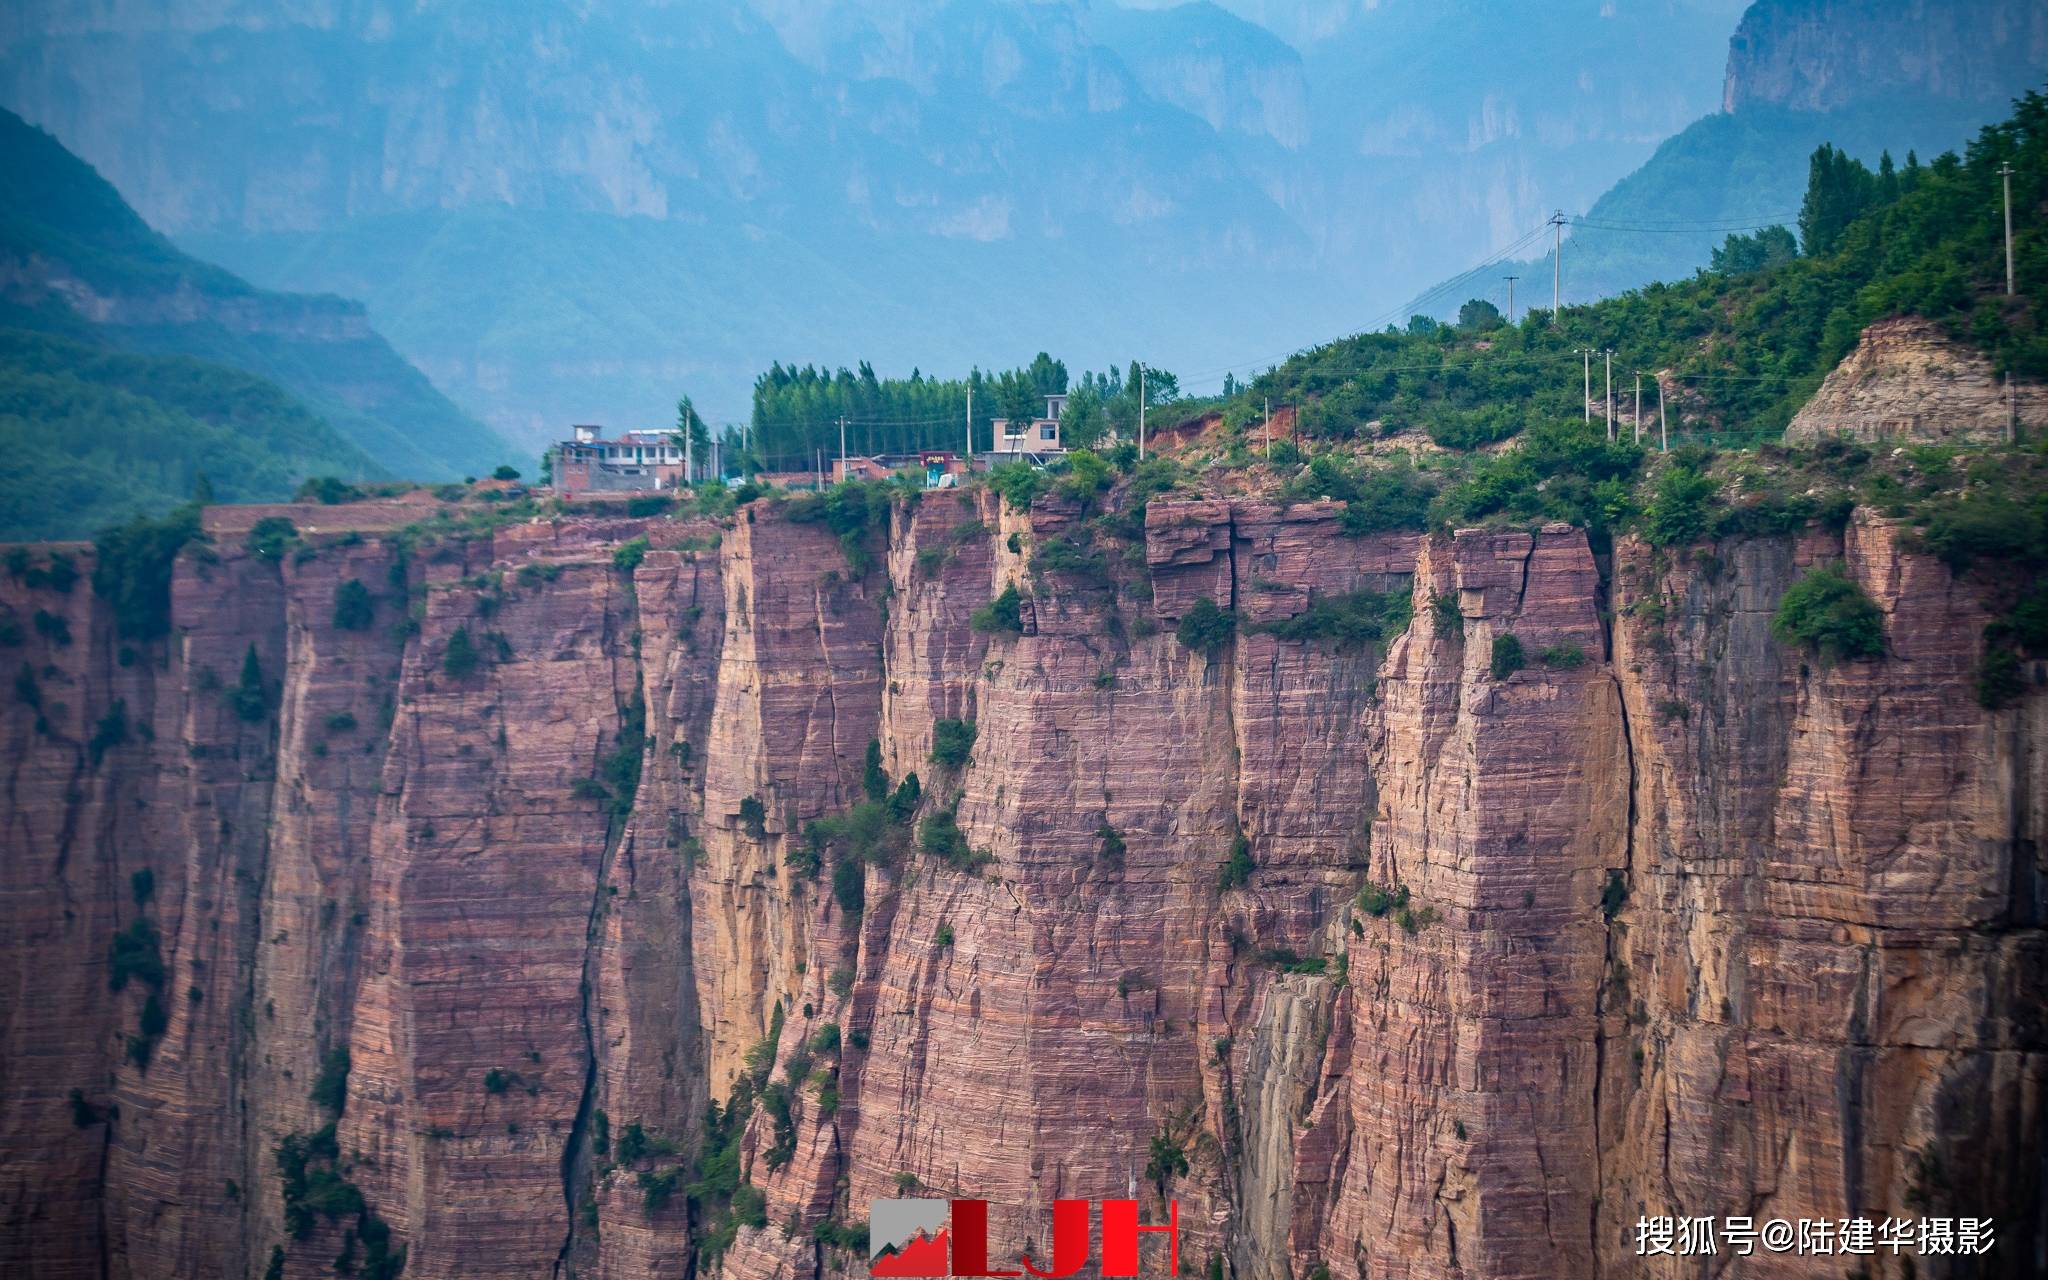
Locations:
column 1345, row 621
column 1005, row 613
column 952, row 742
column 354, row 609
column 270, row 537
column 132, row 570
column 1507, row 655
column 1205, row 628
column 754, row 817
column 628, row 555
column 1827, row 613
column 330, row 1087
column 1678, row 513
column 459, row 659
column 1238, row 868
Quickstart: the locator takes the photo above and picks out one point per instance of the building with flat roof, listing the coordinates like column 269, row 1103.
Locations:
column 1037, row 435
column 631, row 462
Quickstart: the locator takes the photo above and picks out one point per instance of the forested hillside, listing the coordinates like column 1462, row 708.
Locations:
column 1744, row 349
column 131, row 367
column 93, row 435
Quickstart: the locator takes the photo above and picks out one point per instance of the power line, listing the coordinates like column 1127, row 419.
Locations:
column 1765, row 219
column 1689, row 231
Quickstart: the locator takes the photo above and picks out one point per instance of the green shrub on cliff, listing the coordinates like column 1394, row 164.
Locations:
column 1345, row 621
column 1205, row 628
column 952, row 742
column 134, row 953
column 940, row 836
column 1005, row 613
column 1238, row 867
column 1507, row 655
column 1377, row 900
column 132, row 570
column 270, row 537
column 1827, row 613
column 354, row 609
column 874, row 780
column 1677, row 514
column 1019, row 482
column 627, row 556
column 330, row 1087
column 852, row 510
column 459, row 659
column 753, row 816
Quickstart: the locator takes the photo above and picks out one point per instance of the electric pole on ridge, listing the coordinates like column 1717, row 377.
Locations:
column 2005, row 173
column 842, row 446
column 1141, row 413
column 968, row 457
column 1556, row 265
column 1609, row 354
column 1511, row 296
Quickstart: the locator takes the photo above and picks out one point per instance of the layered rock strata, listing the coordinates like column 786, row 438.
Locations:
column 1379, row 955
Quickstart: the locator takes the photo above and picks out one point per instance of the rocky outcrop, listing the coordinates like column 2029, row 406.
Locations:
column 1392, row 957
column 1820, row 55
column 1908, row 381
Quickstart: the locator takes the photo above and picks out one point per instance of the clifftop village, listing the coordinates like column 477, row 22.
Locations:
column 653, row 461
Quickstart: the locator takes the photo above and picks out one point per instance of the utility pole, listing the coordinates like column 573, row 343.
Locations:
column 1639, row 406
column 1141, row 413
column 1511, row 297
column 1586, row 401
column 969, row 455
column 1556, row 266
column 1609, row 353
column 2005, row 172
column 842, row 447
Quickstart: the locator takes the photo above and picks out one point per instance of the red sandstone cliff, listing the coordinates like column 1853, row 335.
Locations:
column 1690, row 925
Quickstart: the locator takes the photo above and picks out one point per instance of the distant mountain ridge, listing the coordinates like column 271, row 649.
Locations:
column 129, row 369
column 578, row 213
column 1861, row 74
column 67, row 238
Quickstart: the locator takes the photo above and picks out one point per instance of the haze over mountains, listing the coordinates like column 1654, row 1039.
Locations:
column 130, row 370
column 565, row 215
column 1866, row 76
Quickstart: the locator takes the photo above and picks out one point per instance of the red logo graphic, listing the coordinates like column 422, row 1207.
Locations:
column 938, row 1238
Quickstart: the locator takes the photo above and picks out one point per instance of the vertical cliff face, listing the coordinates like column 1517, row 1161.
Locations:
column 1826, row 970
column 1820, row 55
column 1375, row 951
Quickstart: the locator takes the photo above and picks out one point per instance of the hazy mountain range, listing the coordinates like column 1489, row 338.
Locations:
column 570, row 213
column 561, row 214
column 129, row 369
column 1865, row 75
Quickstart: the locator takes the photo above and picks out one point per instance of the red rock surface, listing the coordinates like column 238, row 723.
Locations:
column 1813, row 987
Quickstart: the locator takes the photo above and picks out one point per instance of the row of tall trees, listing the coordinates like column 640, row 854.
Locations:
column 796, row 410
